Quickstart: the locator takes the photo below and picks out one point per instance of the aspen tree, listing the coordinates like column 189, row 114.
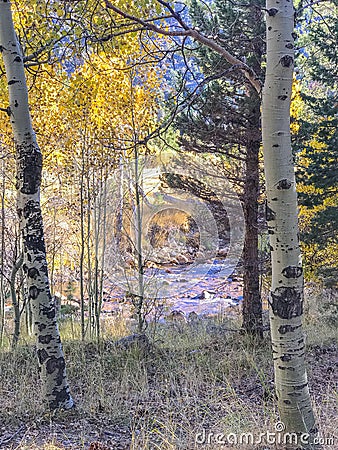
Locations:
column 29, row 167
column 286, row 295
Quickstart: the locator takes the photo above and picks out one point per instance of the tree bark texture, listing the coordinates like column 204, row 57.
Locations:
column 2, row 253
column 252, row 303
column 29, row 167
column 286, row 295
column 15, row 302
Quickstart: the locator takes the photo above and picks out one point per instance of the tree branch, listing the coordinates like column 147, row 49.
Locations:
column 309, row 5
column 194, row 34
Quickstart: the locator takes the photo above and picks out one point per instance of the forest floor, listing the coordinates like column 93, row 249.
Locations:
column 193, row 379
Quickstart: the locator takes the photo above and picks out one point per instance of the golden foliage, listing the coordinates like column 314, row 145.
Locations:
column 314, row 255
column 83, row 118
column 296, row 107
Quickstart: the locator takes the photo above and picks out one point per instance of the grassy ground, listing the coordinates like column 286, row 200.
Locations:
column 193, row 378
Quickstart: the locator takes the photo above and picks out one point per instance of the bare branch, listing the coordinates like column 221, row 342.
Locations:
column 194, row 34
column 174, row 14
column 149, row 26
column 309, row 5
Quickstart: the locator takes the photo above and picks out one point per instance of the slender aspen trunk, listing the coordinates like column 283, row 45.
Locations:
column 29, row 166
column 286, row 296
column 15, row 301
column 89, row 252
column 2, row 254
column 138, row 176
column 139, row 251
column 104, row 239
column 119, row 217
column 82, row 253
column 96, row 229
column 52, row 263
column 27, row 307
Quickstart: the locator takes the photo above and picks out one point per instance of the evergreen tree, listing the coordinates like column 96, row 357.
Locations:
column 317, row 143
column 224, row 120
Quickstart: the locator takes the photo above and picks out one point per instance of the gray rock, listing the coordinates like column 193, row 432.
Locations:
column 176, row 316
column 193, row 317
column 133, row 341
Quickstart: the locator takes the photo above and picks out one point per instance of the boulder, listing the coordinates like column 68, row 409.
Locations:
column 139, row 341
column 176, row 316
column 223, row 252
column 193, row 317
column 182, row 259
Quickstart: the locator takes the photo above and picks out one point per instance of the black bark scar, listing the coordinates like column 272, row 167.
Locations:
column 292, row 272
column 286, row 60
column 272, row 12
column 45, row 339
column 269, row 214
column 300, row 387
column 42, row 355
column 287, row 329
column 29, row 171
column 284, row 184
column 286, row 302
column 55, row 364
column 33, row 273
column 34, row 292
column 42, row 327
column 60, row 397
column 48, row 311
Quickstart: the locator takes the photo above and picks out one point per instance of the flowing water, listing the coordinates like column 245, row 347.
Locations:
column 203, row 288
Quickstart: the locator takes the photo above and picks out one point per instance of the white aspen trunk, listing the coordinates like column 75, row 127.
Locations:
column 140, row 259
column 119, row 216
column 2, row 253
column 104, row 237
column 91, row 320
column 96, row 229
column 29, row 166
column 286, row 296
column 15, row 301
column 53, row 253
column 82, row 253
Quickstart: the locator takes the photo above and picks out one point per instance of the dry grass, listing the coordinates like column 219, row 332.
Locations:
column 193, row 378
